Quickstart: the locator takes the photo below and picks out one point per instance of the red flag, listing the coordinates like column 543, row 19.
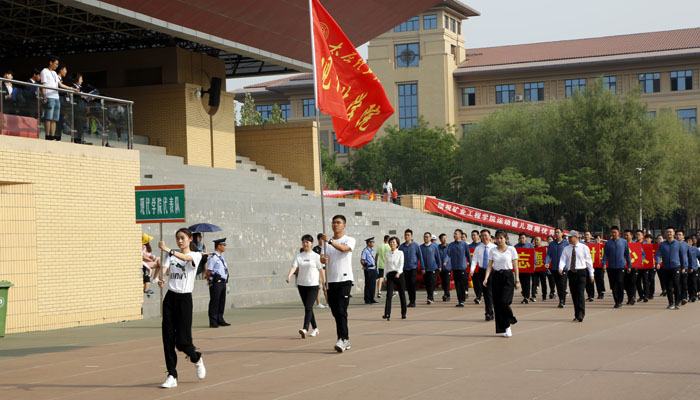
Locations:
column 526, row 260
column 596, row 254
column 649, row 254
column 347, row 88
column 636, row 254
column 540, row 256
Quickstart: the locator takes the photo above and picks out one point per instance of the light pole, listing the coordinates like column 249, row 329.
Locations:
column 640, row 196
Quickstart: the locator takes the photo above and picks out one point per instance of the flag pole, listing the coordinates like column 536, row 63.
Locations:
column 318, row 121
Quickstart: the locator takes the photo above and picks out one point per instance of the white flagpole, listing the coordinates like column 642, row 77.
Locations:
column 318, row 122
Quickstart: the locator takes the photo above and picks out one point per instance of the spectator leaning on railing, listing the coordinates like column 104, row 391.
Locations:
column 50, row 79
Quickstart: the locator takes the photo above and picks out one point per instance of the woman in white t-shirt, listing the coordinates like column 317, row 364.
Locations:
column 310, row 269
column 387, row 189
column 180, row 267
column 393, row 267
column 504, row 279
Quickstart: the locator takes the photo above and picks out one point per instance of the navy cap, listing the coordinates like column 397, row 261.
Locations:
column 370, row 239
column 220, row 241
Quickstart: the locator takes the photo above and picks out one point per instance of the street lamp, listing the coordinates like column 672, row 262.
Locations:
column 640, row 196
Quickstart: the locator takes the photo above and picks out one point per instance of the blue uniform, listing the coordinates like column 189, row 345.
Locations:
column 431, row 257
column 670, row 254
column 445, row 257
column 685, row 255
column 617, row 254
column 693, row 254
column 368, row 257
column 459, row 255
column 554, row 252
column 217, row 264
column 411, row 256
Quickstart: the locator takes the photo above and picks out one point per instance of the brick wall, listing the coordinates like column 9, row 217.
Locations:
column 290, row 150
column 69, row 241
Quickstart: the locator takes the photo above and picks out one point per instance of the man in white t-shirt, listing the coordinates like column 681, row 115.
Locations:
column 338, row 260
column 52, row 106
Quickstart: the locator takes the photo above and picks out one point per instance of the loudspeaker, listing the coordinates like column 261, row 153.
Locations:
column 214, row 92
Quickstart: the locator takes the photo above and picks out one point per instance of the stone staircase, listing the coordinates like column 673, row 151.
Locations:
column 263, row 216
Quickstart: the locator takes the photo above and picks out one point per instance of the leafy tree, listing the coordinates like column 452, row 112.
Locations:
column 512, row 193
column 249, row 115
column 580, row 196
column 334, row 176
column 276, row 116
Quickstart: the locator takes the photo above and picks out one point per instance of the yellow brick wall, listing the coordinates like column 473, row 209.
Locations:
column 69, row 240
column 290, row 150
column 199, row 134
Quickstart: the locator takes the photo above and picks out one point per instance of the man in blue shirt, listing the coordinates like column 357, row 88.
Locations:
column 669, row 258
column 617, row 253
column 685, row 249
column 446, row 268
column 693, row 255
column 458, row 252
column 217, row 276
column 631, row 272
column 369, row 267
column 525, row 278
column 411, row 257
column 476, row 242
column 433, row 262
column 554, row 252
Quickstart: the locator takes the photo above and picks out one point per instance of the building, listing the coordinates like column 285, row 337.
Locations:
column 426, row 71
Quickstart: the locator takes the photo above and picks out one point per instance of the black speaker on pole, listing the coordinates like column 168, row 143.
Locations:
column 214, row 92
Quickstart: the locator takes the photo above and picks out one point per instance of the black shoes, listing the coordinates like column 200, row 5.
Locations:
column 488, row 317
column 561, row 305
column 601, row 296
column 589, row 299
column 477, row 300
column 551, row 295
column 411, row 305
column 532, row 299
column 402, row 317
column 213, row 326
column 224, row 324
column 459, row 305
column 386, row 317
column 618, row 305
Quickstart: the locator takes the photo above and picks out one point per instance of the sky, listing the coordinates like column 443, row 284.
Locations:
column 506, row 22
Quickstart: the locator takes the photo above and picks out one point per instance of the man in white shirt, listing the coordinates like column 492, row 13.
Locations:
column 576, row 260
column 480, row 259
column 338, row 260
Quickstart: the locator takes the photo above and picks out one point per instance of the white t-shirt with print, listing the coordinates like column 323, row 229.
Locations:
column 339, row 267
column 309, row 265
column 503, row 260
column 181, row 274
column 50, row 79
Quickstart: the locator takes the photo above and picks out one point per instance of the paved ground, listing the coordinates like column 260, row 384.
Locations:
column 637, row 352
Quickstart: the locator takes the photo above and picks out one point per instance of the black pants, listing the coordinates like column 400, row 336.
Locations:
column 643, row 283
column 599, row 277
column 177, row 329
column 338, row 300
column 410, row 277
column 552, row 282
column 539, row 278
column 445, row 282
column 430, row 278
column 693, row 284
column 391, row 280
column 577, row 286
column 631, row 284
column 308, row 297
column 560, row 282
column 671, row 278
column 684, row 286
column 476, row 282
column 652, row 283
column 461, row 287
column 502, row 285
column 217, row 303
column 370, row 284
column 487, row 292
column 616, row 279
column 525, row 284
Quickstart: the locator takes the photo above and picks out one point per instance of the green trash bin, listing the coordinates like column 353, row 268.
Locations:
column 4, row 287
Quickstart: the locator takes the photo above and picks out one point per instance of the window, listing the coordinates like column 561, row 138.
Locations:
column 408, row 105
column 650, row 83
column 265, row 111
column 468, row 127
column 337, row 147
column 572, row 85
column 459, row 28
column 505, row 94
column 689, row 117
column 447, row 22
column 681, row 80
column 651, row 114
column 468, row 96
column 309, row 107
column 534, row 91
column 610, row 82
column 411, row 25
column 407, row 55
column 286, row 111
column 452, row 25
column 430, row 21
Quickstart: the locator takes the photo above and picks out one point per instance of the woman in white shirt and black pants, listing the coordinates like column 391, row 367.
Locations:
column 310, row 269
column 181, row 268
column 393, row 267
column 502, row 276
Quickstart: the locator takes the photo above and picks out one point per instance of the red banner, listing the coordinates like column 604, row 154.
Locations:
column 649, row 255
column 471, row 257
column 526, row 260
column 540, row 256
column 487, row 218
column 341, row 193
column 596, row 254
column 347, row 88
column 636, row 254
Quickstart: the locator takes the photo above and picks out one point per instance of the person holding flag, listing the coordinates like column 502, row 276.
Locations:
column 685, row 249
column 525, row 277
column 631, row 272
column 617, row 253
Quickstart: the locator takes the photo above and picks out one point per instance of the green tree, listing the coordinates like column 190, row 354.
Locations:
column 334, row 176
column 579, row 196
column 512, row 193
column 275, row 116
column 249, row 115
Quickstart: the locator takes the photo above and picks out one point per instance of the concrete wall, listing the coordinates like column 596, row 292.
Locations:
column 290, row 150
column 68, row 240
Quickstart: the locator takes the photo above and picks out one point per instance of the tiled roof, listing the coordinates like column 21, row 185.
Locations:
column 292, row 78
column 583, row 48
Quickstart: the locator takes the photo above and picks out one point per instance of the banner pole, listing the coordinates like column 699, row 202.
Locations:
column 160, row 271
column 318, row 121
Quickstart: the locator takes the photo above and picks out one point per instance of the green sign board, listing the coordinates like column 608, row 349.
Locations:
column 164, row 203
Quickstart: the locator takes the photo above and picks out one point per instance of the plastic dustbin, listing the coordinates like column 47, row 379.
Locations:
column 4, row 288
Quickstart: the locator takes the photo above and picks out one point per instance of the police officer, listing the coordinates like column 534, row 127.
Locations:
column 217, row 276
column 367, row 259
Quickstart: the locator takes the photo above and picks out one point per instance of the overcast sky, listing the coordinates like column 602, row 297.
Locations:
column 504, row 22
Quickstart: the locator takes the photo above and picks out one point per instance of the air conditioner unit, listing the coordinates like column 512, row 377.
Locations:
column 518, row 98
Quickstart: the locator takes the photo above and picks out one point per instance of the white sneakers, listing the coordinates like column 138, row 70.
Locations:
column 341, row 345
column 201, row 371
column 171, row 382
column 508, row 333
column 314, row 332
column 347, row 344
column 302, row 333
column 320, row 305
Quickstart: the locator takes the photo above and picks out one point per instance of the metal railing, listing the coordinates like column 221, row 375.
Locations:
column 93, row 118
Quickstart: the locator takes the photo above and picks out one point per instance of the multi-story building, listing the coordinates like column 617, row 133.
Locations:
column 426, row 71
